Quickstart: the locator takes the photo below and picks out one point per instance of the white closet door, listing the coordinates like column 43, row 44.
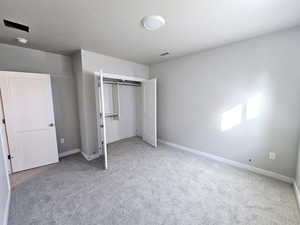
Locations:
column 149, row 112
column 101, row 118
column 28, row 108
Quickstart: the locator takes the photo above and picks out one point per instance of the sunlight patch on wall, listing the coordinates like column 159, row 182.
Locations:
column 253, row 106
column 242, row 112
column 231, row 118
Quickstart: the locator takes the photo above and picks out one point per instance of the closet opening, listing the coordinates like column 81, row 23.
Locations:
column 126, row 107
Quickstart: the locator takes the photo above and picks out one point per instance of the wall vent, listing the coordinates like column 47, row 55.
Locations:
column 165, row 54
column 17, row 26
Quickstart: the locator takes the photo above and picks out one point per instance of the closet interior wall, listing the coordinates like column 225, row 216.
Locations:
column 123, row 106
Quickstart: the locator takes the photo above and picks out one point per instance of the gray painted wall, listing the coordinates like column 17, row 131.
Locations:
column 13, row 58
column 77, row 69
column 129, row 122
column 92, row 62
column 4, row 191
column 194, row 91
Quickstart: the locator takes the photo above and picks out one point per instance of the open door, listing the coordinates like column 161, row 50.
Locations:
column 149, row 112
column 101, row 117
column 29, row 119
column 3, row 134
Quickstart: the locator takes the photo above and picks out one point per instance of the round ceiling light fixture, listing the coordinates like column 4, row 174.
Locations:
column 22, row 40
column 153, row 22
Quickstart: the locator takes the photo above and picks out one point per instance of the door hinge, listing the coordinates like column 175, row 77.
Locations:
column 9, row 157
column 102, row 142
column 101, row 126
column 3, row 121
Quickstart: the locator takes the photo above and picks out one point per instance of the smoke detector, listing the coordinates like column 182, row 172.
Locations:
column 153, row 22
column 22, row 40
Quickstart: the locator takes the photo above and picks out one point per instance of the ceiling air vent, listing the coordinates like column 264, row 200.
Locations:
column 165, row 54
column 17, row 26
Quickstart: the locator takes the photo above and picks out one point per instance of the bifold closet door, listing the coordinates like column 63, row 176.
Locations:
column 149, row 112
column 101, row 118
column 29, row 116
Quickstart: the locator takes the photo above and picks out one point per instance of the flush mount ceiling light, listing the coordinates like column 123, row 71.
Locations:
column 22, row 40
column 153, row 22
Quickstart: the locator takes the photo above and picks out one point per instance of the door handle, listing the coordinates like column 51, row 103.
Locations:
column 51, row 125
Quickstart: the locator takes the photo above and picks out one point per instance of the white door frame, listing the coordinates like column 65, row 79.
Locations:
column 120, row 77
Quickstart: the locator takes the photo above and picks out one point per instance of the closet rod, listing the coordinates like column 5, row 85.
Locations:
column 121, row 83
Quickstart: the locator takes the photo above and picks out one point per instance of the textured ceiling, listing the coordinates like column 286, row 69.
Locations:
column 113, row 27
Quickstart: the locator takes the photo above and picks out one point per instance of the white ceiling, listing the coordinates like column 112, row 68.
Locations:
column 113, row 27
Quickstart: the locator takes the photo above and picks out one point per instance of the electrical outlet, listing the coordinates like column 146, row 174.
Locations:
column 272, row 155
column 62, row 140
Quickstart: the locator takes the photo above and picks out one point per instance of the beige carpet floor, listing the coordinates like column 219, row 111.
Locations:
column 147, row 186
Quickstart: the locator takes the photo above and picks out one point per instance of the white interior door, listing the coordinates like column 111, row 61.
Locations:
column 101, row 117
column 149, row 112
column 3, row 134
column 28, row 108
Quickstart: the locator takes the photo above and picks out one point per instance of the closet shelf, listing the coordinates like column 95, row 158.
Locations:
column 110, row 114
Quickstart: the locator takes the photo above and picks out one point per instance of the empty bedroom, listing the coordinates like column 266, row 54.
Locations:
column 154, row 112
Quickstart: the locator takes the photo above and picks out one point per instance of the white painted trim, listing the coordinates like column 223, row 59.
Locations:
column 7, row 206
column 69, row 152
column 103, row 120
column 231, row 162
column 119, row 77
column 91, row 157
column 297, row 193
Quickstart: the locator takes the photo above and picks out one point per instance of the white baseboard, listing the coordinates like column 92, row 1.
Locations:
column 69, row 152
column 297, row 193
column 6, row 210
column 91, row 157
column 231, row 162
